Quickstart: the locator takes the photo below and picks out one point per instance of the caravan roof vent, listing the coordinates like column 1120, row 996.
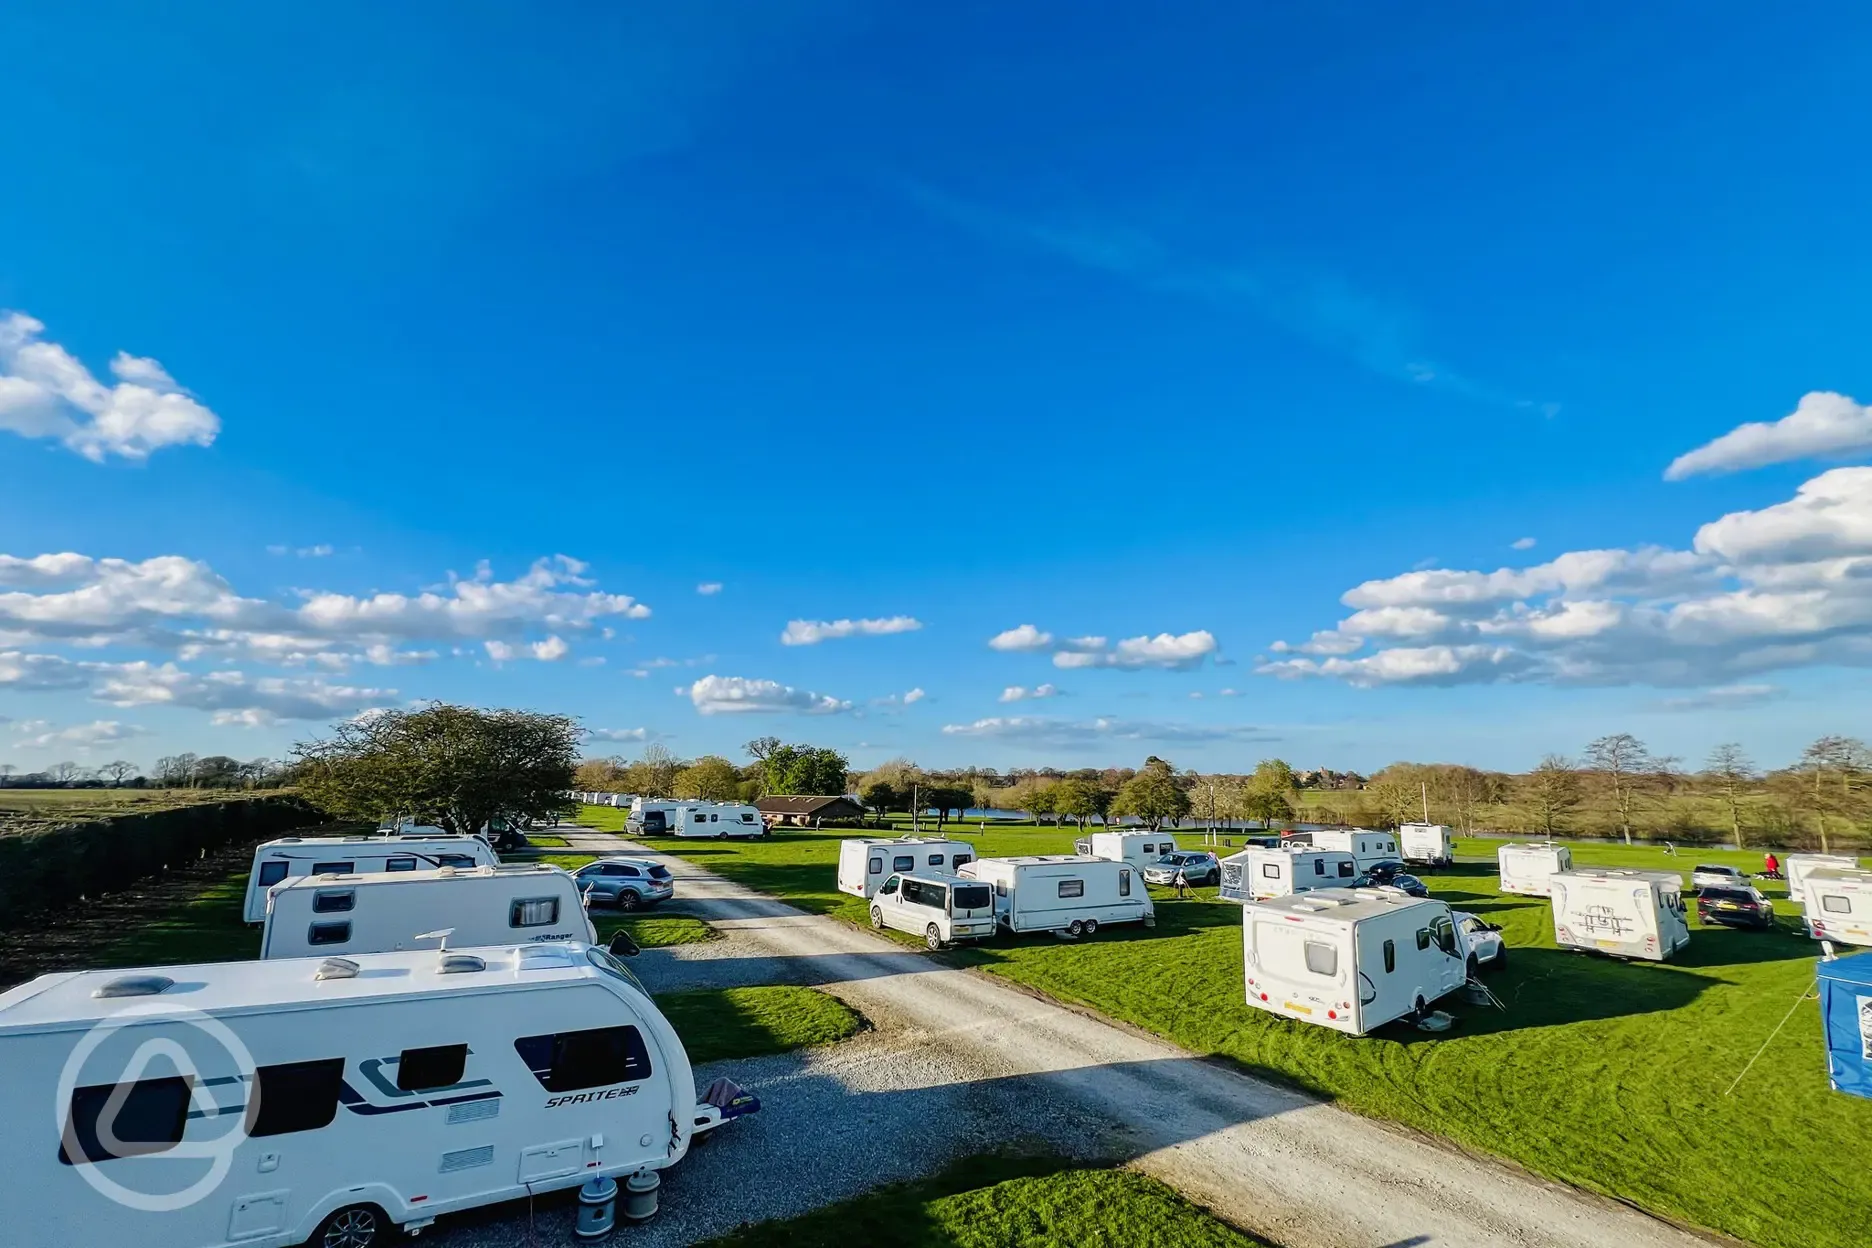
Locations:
column 337, row 968
column 134, row 986
column 460, row 964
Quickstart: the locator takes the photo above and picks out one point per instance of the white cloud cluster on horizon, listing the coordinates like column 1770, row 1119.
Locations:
column 1067, row 733
column 45, row 392
column 733, row 695
column 1020, row 639
column 1165, row 650
column 1822, row 425
column 812, row 632
column 81, row 738
column 1020, row 693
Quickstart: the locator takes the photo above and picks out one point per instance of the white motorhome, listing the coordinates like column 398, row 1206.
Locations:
column 1796, row 867
column 1257, row 874
column 1525, row 868
column 716, row 819
column 291, row 856
column 1838, row 904
column 939, row 908
column 1368, row 848
column 322, row 915
column 333, row 1099
column 865, row 862
column 1075, row 894
column 1140, row 849
column 1429, row 844
column 1350, row 959
column 649, row 816
column 1624, row 913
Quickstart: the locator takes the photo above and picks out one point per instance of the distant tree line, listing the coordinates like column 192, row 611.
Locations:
column 176, row 771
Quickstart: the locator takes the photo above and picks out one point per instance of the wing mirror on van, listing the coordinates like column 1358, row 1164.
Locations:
column 622, row 946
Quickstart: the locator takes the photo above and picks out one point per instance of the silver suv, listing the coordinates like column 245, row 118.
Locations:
column 626, row 883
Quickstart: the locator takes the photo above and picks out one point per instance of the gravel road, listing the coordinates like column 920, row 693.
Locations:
column 957, row 1062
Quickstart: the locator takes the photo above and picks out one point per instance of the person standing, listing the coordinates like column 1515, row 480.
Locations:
column 1182, row 884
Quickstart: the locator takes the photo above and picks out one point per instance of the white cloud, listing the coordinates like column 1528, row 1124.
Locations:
column 1823, row 424
column 1025, row 637
column 727, row 695
column 475, row 607
column 1424, row 665
column 812, row 632
column 46, row 393
column 320, row 551
column 617, row 734
column 1164, row 651
column 1522, row 543
column 80, row 737
column 1723, row 697
column 1829, row 517
column 550, row 650
column 709, row 588
column 914, row 696
column 233, row 697
column 1040, row 730
column 32, row 673
column 1018, row 693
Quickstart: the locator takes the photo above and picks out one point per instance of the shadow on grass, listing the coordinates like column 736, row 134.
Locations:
column 1731, row 946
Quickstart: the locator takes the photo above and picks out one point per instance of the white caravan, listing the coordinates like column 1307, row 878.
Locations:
column 1257, row 874
column 1368, row 848
column 1525, row 868
column 1140, row 849
column 1430, row 844
column 332, row 1099
column 1350, row 959
column 939, row 908
column 716, row 819
column 1796, row 867
column 650, row 817
column 1624, row 913
column 1838, row 904
column 1070, row 893
column 291, row 856
column 322, row 915
column 865, row 862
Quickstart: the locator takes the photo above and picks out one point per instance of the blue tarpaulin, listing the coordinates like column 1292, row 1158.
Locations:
column 1846, row 1022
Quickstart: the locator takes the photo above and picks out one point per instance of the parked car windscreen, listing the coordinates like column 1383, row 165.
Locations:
column 972, row 896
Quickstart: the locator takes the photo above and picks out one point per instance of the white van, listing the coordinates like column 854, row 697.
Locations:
column 290, row 856
column 716, row 819
column 939, row 908
column 1796, row 867
column 649, row 816
column 865, row 862
column 1351, row 959
column 1427, row 844
column 1624, row 913
column 1140, row 849
column 1526, row 868
column 1257, row 874
column 1368, row 848
column 1838, row 904
column 336, row 1099
column 1060, row 893
column 314, row 915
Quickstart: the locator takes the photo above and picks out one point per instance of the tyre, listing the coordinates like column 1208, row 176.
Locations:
column 1091, row 926
column 1471, row 966
column 359, row 1226
column 877, row 918
column 932, row 937
column 1075, row 929
column 628, row 900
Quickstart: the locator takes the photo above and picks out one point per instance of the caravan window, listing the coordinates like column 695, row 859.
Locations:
column 324, row 902
column 1271, row 870
column 1390, row 956
column 571, row 1060
column 961, row 859
column 1072, row 888
column 296, row 1096
column 1319, row 866
column 461, row 861
column 328, row 934
column 903, row 862
column 533, row 912
column 1836, row 905
column 423, row 1070
column 1321, row 959
column 1124, row 883
column 271, row 873
column 400, row 864
column 1423, row 938
column 149, row 1119
column 1347, row 868
column 877, row 867
column 935, row 860
column 333, row 868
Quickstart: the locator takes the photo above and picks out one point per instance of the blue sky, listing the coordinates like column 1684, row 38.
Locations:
column 1251, row 342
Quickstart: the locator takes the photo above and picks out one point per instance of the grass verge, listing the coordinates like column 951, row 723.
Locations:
column 718, row 1023
column 1004, row 1202
column 1606, row 1075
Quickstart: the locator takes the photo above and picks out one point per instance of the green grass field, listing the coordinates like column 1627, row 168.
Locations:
column 719, row 1023
column 35, row 807
column 1602, row 1074
column 1004, row 1202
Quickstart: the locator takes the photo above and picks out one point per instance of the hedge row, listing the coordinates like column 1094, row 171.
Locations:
column 45, row 868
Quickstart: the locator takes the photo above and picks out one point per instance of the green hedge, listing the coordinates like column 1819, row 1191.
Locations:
column 45, row 868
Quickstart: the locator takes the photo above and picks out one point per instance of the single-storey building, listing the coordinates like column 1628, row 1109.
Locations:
column 809, row 812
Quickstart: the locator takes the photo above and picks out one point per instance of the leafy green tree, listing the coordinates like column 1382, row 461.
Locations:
column 711, row 779
column 1267, row 806
column 1043, row 801
column 805, row 771
column 1152, row 795
column 880, row 795
column 1273, row 775
column 1077, row 800
column 945, row 798
column 454, row 766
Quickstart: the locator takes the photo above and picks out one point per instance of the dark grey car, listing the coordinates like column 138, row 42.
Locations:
column 626, row 883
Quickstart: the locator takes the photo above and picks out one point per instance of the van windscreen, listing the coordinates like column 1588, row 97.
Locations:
column 971, row 897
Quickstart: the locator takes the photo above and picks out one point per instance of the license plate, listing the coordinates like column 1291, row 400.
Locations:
column 1607, row 944
column 1727, row 905
column 1298, row 1009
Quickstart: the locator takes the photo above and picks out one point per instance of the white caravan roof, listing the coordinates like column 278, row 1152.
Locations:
column 1036, row 860
column 347, row 880
column 1669, row 881
column 55, row 1002
column 903, row 840
column 1347, row 905
column 381, row 838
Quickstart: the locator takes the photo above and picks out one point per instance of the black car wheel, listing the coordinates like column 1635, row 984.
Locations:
column 628, row 900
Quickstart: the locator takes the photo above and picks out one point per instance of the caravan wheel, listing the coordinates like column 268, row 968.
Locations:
column 1075, row 929
column 360, row 1226
column 1091, row 926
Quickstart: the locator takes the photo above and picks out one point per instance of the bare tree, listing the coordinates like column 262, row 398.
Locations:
column 1846, row 760
column 64, row 773
column 1733, row 774
column 1552, row 791
column 7, row 769
column 1624, row 761
column 115, row 772
column 660, row 768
